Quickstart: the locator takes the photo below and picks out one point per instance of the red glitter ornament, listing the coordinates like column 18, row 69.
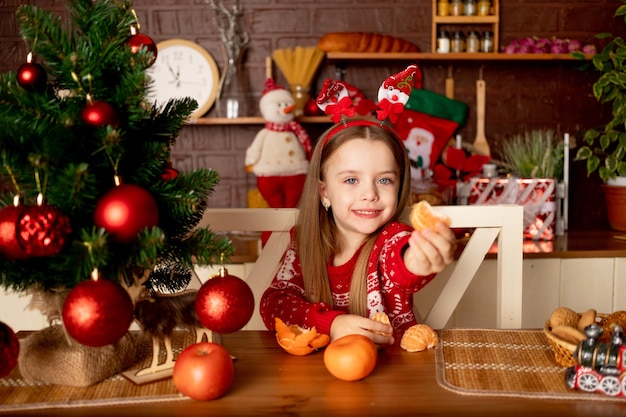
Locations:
column 125, row 210
column 137, row 41
column 10, row 247
column 100, row 113
column 97, row 312
column 42, row 230
column 225, row 303
column 9, row 349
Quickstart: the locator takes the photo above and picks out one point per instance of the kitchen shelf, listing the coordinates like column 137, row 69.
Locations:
column 217, row 121
column 492, row 20
column 453, row 56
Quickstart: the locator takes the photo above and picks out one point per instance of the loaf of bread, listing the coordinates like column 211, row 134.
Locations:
column 363, row 42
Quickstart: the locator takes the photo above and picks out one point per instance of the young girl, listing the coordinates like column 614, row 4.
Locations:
column 350, row 256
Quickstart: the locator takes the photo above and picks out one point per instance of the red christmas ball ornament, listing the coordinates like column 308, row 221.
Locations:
column 125, row 210
column 10, row 247
column 100, row 113
column 9, row 349
column 137, row 41
column 225, row 303
column 311, row 109
column 97, row 312
column 42, row 230
column 32, row 77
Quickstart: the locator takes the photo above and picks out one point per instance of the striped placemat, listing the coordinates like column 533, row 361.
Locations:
column 18, row 394
column 515, row 363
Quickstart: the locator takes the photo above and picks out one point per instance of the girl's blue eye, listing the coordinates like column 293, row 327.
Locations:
column 385, row 181
column 351, row 181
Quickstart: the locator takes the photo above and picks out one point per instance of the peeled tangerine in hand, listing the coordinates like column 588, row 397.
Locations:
column 424, row 217
column 298, row 340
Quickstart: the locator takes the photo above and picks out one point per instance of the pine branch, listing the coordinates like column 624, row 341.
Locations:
column 46, row 147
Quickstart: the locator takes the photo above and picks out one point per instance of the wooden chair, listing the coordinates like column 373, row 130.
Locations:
column 503, row 222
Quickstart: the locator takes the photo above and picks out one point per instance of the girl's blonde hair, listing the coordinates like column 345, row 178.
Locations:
column 315, row 230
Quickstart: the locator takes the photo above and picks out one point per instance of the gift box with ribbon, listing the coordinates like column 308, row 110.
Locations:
column 537, row 195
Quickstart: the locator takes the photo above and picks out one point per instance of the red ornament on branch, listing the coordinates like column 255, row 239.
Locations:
column 10, row 247
column 225, row 303
column 125, row 210
column 31, row 76
column 169, row 173
column 136, row 41
column 100, row 113
column 42, row 229
column 97, row 312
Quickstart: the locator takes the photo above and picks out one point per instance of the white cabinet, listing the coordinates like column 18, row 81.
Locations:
column 14, row 311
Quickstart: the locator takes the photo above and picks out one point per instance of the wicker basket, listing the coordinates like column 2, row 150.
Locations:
column 563, row 350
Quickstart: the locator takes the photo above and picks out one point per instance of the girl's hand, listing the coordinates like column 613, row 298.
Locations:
column 345, row 324
column 430, row 251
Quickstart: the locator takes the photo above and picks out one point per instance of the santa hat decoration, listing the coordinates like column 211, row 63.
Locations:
column 340, row 99
column 433, row 113
column 395, row 91
column 270, row 85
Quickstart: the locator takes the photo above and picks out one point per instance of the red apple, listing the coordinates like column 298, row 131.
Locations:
column 9, row 350
column 224, row 304
column 203, row 371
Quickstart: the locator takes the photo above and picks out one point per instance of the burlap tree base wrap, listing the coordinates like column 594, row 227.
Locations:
column 47, row 356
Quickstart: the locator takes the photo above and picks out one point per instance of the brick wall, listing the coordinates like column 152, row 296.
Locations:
column 520, row 95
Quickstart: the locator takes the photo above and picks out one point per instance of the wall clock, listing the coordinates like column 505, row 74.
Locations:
column 184, row 69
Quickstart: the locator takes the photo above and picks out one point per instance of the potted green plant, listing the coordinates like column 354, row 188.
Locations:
column 534, row 154
column 604, row 148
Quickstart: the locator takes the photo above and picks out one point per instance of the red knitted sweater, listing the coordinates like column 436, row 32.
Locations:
column 390, row 286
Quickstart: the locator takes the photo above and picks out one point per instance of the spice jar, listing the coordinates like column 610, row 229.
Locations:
column 457, row 43
column 456, row 8
column 472, row 43
column 484, row 8
column 470, row 7
column 443, row 8
column 443, row 42
column 486, row 43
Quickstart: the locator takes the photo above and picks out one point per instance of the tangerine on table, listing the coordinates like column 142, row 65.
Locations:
column 351, row 357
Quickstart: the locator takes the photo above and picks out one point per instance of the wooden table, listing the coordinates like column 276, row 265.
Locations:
column 270, row 382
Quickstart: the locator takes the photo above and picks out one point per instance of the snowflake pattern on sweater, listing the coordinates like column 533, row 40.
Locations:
column 390, row 286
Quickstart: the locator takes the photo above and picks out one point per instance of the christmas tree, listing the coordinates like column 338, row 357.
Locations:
column 75, row 123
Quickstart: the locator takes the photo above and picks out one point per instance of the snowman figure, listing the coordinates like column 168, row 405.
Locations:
column 280, row 152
